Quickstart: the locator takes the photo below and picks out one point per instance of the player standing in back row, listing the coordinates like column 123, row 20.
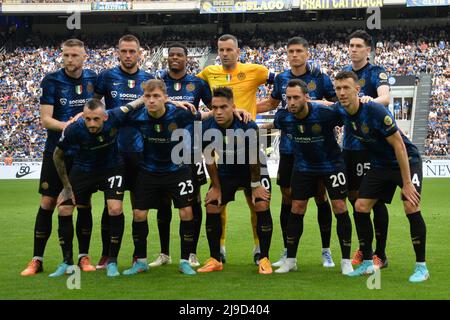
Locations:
column 64, row 94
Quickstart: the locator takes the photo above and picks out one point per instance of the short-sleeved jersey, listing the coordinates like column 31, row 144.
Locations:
column 157, row 134
column 370, row 77
column 319, row 87
column 189, row 88
column 371, row 125
column 237, row 148
column 244, row 80
column 95, row 152
column 119, row 88
column 68, row 97
column 314, row 143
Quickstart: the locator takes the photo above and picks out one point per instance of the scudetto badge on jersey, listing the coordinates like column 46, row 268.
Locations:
column 131, row 84
column 158, row 127
column 177, row 86
column 79, row 89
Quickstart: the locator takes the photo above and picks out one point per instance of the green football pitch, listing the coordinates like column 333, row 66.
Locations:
column 19, row 202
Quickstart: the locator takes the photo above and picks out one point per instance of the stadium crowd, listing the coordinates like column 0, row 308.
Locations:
column 400, row 51
column 436, row 143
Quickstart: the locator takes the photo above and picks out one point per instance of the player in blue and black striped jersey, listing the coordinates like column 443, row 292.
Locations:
column 319, row 87
column 239, row 166
column 64, row 94
column 160, row 173
column 119, row 86
column 395, row 162
column 317, row 157
column 373, row 81
column 97, row 165
column 183, row 87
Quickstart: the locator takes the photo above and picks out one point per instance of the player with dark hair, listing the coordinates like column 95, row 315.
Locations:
column 373, row 81
column 317, row 157
column 119, row 86
column 187, row 88
column 159, row 174
column 395, row 162
column 244, row 79
column 97, row 165
column 239, row 167
column 64, row 94
column 319, row 87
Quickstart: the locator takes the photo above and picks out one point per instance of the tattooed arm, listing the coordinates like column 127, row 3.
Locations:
column 67, row 193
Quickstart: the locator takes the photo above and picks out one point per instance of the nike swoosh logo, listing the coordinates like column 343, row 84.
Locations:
column 18, row 175
column 117, row 192
column 116, row 83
